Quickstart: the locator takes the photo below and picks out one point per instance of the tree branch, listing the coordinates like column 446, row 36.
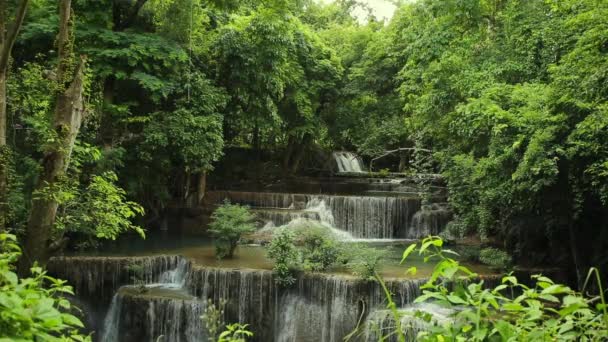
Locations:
column 402, row 149
column 130, row 18
column 11, row 36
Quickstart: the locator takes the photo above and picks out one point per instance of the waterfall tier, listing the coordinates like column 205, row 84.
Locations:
column 98, row 278
column 348, row 162
column 365, row 217
column 319, row 307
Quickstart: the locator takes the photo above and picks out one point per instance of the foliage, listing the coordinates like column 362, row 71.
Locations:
column 286, row 257
column 235, row 332
column 511, row 311
column 364, row 261
column 228, row 223
column 100, row 210
column 137, row 276
column 213, row 318
column 495, row 257
column 33, row 308
column 319, row 250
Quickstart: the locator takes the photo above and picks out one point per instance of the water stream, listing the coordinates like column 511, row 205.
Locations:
column 157, row 289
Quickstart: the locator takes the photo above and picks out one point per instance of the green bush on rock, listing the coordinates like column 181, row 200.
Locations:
column 363, row 261
column 495, row 257
column 228, row 223
column 286, row 257
column 319, row 250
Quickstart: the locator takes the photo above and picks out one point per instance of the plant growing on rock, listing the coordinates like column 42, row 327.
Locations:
column 213, row 317
column 286, row 257
column 495, row 257
column 235, row 333
column 363, row 261
column 228, row 223
column 137, row 276
column 319, row 250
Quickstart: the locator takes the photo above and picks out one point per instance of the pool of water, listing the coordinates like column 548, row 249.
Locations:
column 200, row 250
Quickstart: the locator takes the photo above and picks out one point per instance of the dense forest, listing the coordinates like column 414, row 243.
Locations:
column 115, row 112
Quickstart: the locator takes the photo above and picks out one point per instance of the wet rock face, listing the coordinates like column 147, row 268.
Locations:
column 318, row 307
column 142, row 317
column 96, row 279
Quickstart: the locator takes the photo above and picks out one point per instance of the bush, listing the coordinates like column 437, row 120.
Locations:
column 319, row 250
column 286, row 257
column 363, row 261
column 29, row 310
column 495, row 257
column 228, row 223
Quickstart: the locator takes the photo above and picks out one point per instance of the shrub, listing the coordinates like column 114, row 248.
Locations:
column 30, row 310
column 319, row 250
column 286, row 257
column 363, row 261
column 213, row 318
column 235, row 332
column 228, row 223
column 495, row 257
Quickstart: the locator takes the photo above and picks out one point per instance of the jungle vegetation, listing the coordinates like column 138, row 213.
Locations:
column 113, row 111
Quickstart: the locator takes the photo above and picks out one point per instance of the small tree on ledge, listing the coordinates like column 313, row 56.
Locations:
column 228, row 223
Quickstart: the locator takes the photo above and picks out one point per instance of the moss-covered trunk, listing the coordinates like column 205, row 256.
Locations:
column 69, row 110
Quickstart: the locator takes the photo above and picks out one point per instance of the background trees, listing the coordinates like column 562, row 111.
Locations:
column 509, row 95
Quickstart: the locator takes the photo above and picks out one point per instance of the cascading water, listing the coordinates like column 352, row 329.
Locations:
column 169, row 307
column 318, row 307
column 363, row 217
column 348, row 162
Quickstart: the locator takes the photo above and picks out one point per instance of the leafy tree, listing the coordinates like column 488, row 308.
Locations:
column 228, row 223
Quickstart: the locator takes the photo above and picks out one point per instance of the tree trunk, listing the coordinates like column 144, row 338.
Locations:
column 4, row 156
column 301, row 151
column 576, row 256
column 288, row 152
column 202, row 185
column 69, row 110
column 8, row 35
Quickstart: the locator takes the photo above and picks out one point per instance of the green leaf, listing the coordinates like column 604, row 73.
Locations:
column 407, row 252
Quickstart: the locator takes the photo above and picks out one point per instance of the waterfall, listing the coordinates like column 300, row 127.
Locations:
column 175, row 277
column 319, row 307
column 363, row 217
column 111, row 324
column 348, row 162
column 98, row 278
column 169, row 306
column 430, row 220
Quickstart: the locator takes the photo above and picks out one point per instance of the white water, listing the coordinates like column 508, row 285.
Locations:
column 111, row 323
column 348, row 162
column 174, row 279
